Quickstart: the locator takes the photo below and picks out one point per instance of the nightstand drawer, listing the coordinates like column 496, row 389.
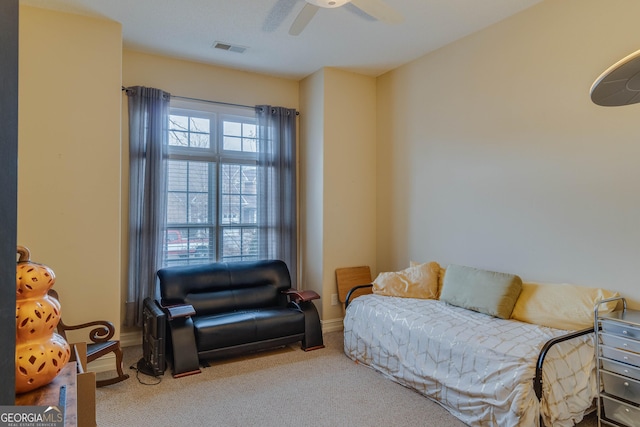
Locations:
column 622, row 387
column 621, row 412
column 616, row 341
column 621, row 355
column 621, row 368
column 622, row 329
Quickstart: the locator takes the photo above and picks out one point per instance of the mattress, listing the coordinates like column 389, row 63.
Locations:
column 480, row 368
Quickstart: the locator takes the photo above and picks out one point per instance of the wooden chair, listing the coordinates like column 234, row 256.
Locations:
column 100, row 343
column 348, row 277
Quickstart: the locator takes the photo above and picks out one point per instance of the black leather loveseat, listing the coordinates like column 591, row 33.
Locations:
column 230, row 308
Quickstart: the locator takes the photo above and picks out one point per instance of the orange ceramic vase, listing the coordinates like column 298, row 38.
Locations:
column 40, row 352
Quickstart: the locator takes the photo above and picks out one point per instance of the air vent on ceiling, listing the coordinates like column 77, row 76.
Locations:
column 229, row 47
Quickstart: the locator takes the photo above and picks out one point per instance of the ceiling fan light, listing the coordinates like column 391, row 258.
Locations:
column 618, row 84
column 328, row 3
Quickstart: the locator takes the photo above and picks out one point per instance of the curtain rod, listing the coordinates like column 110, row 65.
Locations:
column 209, row 101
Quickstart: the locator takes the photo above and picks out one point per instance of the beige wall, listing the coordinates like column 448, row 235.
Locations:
column 491, row 154
column 349, row 177
column 311, row 174
column 339, row 179
column 69, row 156
column 196, row 80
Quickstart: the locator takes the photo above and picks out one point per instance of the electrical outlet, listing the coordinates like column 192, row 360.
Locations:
column 334, row 299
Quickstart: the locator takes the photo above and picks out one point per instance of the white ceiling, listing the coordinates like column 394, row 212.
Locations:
column 343, row 37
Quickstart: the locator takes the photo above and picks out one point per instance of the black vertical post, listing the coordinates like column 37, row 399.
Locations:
column 8, row 195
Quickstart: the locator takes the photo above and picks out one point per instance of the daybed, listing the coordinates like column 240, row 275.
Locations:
column 231, row 308
column 455, row 341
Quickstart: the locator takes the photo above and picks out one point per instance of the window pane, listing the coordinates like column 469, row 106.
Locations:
column 230, row 178
column 249, row 145
column 239, row 201
column 200, row 243
column 178, row 122
column 183, row 246
column 178, row 130
column 177, row 175
column 177, row 207
column 188, row 192
column 248, row 183
column 249, row 210
column 199, row 124
column 239, row 136
column 230, row 209
column 199, row 209
column 198, row 176
column 232, row 143
column 249, row 129
column 178, row 138
column 239, row 244
column 250, row 243
column 199, row 140
column 231, row 243
column 187, row 131
column 249, row 142
column 232, row 128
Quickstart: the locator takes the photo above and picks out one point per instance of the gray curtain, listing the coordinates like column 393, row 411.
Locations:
column 277, row 201
column 148, row 124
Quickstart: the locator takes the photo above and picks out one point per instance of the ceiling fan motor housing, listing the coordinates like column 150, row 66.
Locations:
column 328, row 3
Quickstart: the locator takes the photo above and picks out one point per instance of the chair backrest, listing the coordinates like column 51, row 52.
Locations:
column 60, row 327
column 348, row 277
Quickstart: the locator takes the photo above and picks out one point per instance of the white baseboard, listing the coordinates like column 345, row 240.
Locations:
column 103, row 364
column 129, row 339
column 332, row 325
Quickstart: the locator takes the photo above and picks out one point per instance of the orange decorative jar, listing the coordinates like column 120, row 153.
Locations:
column 40, row 352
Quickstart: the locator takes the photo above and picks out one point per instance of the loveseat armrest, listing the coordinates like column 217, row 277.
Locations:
column 301, row 300
column 298, row 296
column 178, row 311
column 184, row 351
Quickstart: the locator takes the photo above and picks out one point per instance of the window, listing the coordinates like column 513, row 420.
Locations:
column 212, row 198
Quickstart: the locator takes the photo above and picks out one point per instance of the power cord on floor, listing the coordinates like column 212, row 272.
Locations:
column 142, row 367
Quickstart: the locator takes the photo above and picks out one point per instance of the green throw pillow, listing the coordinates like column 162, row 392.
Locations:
column 484, row 291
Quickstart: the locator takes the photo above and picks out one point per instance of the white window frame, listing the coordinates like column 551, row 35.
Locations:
column 196, row 250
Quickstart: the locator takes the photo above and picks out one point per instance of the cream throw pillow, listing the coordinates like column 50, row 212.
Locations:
column 440, row 275
column 560, row 306
column 419, row 281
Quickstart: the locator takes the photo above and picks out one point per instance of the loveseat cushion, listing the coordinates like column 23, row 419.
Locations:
column 246, row 326
column 488, row 292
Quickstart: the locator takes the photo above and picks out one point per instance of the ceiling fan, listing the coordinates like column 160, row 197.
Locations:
column 377, row 9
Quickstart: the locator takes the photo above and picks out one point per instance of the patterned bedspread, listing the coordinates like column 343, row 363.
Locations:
column 478, row 367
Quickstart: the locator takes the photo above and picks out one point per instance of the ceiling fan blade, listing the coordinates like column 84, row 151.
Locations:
column 379, row 10
column 303, row 18
column 277, row 15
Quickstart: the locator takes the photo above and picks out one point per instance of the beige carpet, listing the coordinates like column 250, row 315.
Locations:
column 284, row 387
